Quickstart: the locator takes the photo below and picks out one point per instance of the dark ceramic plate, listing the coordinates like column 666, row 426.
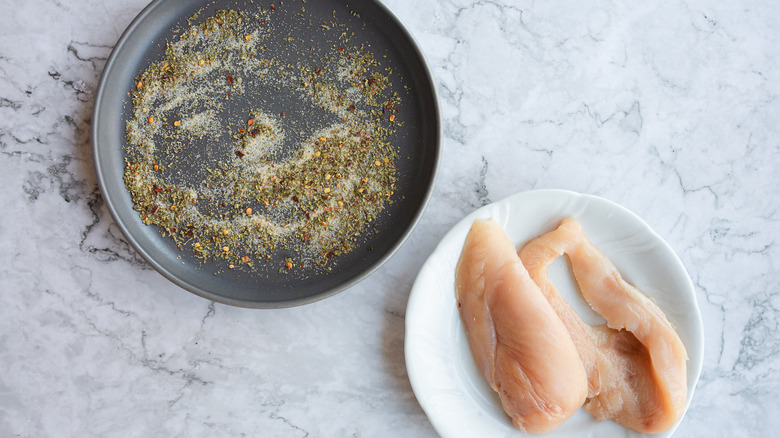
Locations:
column 418, row 142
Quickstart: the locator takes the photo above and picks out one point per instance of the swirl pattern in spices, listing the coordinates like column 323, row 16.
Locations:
column 262, row 183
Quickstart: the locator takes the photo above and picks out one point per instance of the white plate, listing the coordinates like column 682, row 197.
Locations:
column 451, row 391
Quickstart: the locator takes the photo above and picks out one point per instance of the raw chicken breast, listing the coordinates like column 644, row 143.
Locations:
column 518, row 342
column 637, row 363
column 537, row 256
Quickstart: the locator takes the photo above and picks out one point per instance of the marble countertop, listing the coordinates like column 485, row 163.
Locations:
column 670, row 108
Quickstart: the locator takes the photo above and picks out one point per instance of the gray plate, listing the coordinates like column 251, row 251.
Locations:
column 418, row 143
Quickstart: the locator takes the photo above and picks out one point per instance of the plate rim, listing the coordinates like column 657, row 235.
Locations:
column 427, row 78
column 442, row 426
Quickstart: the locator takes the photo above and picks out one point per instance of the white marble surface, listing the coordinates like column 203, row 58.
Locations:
column 671, row 108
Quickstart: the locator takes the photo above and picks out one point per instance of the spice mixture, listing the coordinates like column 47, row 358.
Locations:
column 238, row 185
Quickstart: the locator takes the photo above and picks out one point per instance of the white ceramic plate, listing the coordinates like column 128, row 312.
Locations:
column 454, row 395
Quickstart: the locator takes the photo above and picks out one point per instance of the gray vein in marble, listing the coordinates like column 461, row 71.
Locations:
column 189, row 377
column 296, row 430
column 117, row 247
column 96, row 54
column 718, row 303
column 629, row 119
column 759, row 341
column 97, row 298
column 482, row 191
column 8, row 103
column 209, row 314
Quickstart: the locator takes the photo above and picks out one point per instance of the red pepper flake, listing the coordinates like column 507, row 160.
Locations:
column 239, row 154
column 273, row 8
column 230, row 78
column 282, row 114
